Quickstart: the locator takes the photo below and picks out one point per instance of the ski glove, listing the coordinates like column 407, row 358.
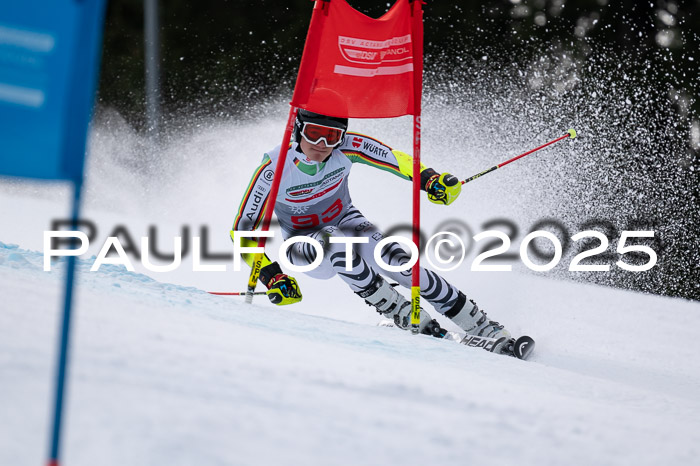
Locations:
column 442, row 189
column 281, row 288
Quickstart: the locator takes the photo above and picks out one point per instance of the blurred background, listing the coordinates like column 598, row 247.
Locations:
column 221, row 56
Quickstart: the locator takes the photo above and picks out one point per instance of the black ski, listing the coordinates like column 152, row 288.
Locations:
column 520, row 348
column 523, row 346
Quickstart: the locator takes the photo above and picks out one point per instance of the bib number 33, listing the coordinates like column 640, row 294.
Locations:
column 302, row 222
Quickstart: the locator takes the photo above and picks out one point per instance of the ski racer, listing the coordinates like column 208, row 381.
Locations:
column 314, row 200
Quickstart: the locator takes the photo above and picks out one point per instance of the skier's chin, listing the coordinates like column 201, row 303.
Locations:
column 317, row 155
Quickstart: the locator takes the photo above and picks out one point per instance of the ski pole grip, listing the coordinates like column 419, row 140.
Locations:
column 254, row 275
column 415, row 309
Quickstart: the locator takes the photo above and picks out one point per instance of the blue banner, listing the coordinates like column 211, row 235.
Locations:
column 49, row 62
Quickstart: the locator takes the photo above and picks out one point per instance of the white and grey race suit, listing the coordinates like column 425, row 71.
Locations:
column 314, row 200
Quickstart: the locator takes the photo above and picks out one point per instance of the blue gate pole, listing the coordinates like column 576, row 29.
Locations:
column 64, row 342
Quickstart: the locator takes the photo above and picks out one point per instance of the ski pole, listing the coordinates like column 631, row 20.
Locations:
column 569, row 134
column 260, row 293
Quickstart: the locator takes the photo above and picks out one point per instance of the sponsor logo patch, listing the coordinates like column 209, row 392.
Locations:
column 257, row 198
column 301, row 192
column 307, row 188
column 374, row 52
column 375, row 149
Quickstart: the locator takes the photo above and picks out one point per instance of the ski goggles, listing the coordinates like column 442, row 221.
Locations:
column 315, row 133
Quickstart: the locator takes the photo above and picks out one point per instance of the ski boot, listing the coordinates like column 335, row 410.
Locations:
column 393, row 305
column 480, row 331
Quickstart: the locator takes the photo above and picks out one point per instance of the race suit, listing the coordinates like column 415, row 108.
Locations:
column 314, row 200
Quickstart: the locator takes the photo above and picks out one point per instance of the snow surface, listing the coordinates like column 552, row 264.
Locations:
column 169, row 374
column 164, row 373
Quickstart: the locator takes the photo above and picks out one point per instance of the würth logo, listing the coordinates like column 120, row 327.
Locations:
column 356, row 142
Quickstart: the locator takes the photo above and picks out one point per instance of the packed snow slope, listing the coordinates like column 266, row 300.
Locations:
column 164, row 373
